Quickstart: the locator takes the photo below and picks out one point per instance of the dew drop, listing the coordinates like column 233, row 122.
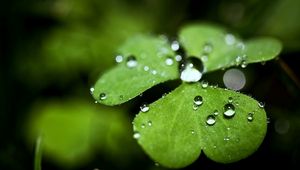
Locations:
column 244, row 64
column 154, row 72
column 230, row 99
column 229, row 110
column 191, row 70
column 214, row 146
column 146, row 68
column 210, row 120
column 149, row 123
column 207, row 48
column 178, row 57
column 143, row 126
column 198, row 100
column 156, row 164
column 96, row 101
column 175, row 46
column 229, row 39
column 119, row 59
column 169, row 61
column 204, row 84
column 195, row 107
column 216, row 113
column 261, row 104
column 226, row 138
column 250, row 117
column 102, row 96
column 192, row 132
column 131, row 62
column 92, row 89
column 144, row 107
column 204, row 58
column 136, row 135
column 238, row 60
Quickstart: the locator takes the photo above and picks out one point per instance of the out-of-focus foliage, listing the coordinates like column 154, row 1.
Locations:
column 73, row 131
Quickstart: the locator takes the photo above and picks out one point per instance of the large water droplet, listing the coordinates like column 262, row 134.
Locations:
column 119, row 59
column 136, row 135
column 250, row 117
column 102, row 96
column 144, row 107
column 131, row 62
column 229, row 110
column 207, row 48
column 198, row 100
column 210, row 120
column 175, row 45
column 191, row 70
column 169, row 61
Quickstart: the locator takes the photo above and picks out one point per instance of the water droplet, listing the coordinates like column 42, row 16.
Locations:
column 154, row 72
column 164, row 95
column 215, row 112
column 230, row 99
column 229, row 110
column 178, row 57
column 228, row 128
column 226, row 138
column 207, row 48
column 191, row 70
column 214, row 146
column 193, row 132
column 131, row 62
column 198, row 100
column 210, row 120
column 96, row 101
column 240, row 45
column 261, row 104
column 195, row 107
column 169, row 61
column 149, row 123
column 136, row 135
column 92, row 90
column 250, row 117
column 238, row 60
column 146, row 68
column 144, row 107
column 204, row 58
column 244, row 64
column 175, row 45
column 156, row 164
column 119, row 59
column 143, row 126
column 204, row 84
column 229, row 39
column 102, row 96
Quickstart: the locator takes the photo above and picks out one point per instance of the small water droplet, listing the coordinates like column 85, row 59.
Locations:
column 204, row 58
column 207, row 48
column 238, row 60
column 193, row 132
column 136, row 135
column 149, row 123
column 244, row 64
column 250, row 117
column 143, row 126
column 198, row 100
column 228, row 128
column 229, row 110
column 175, row 45
column 92, row 89
column 169, row 61
column 102, row 96
column 144, row 107
column 131, row 62
column 226, row 138
column 240, row 45
column 214, row 146
column 195, row 107
column 261, row 104
column 210, row 120
column 156, row 164
column 229, row 39
column 178, row 57
column 146, row 68
column 216, row 113
column 191, row 70
column 230, row 99
column 154, row 72
column 204, row 84
column 119, row 59
column 96, row 101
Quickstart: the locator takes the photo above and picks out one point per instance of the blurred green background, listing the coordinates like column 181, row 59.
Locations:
column 52, row 51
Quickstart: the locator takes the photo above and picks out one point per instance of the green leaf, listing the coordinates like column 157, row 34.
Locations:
column 219, row 49
column 123, row 83
column 177, row 133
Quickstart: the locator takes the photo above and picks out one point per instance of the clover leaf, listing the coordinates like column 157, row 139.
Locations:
column 226, row 125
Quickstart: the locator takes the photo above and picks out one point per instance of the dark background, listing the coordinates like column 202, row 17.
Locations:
column 52, row 51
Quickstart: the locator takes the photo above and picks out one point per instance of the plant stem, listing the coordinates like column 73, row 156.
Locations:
column 38, row 154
